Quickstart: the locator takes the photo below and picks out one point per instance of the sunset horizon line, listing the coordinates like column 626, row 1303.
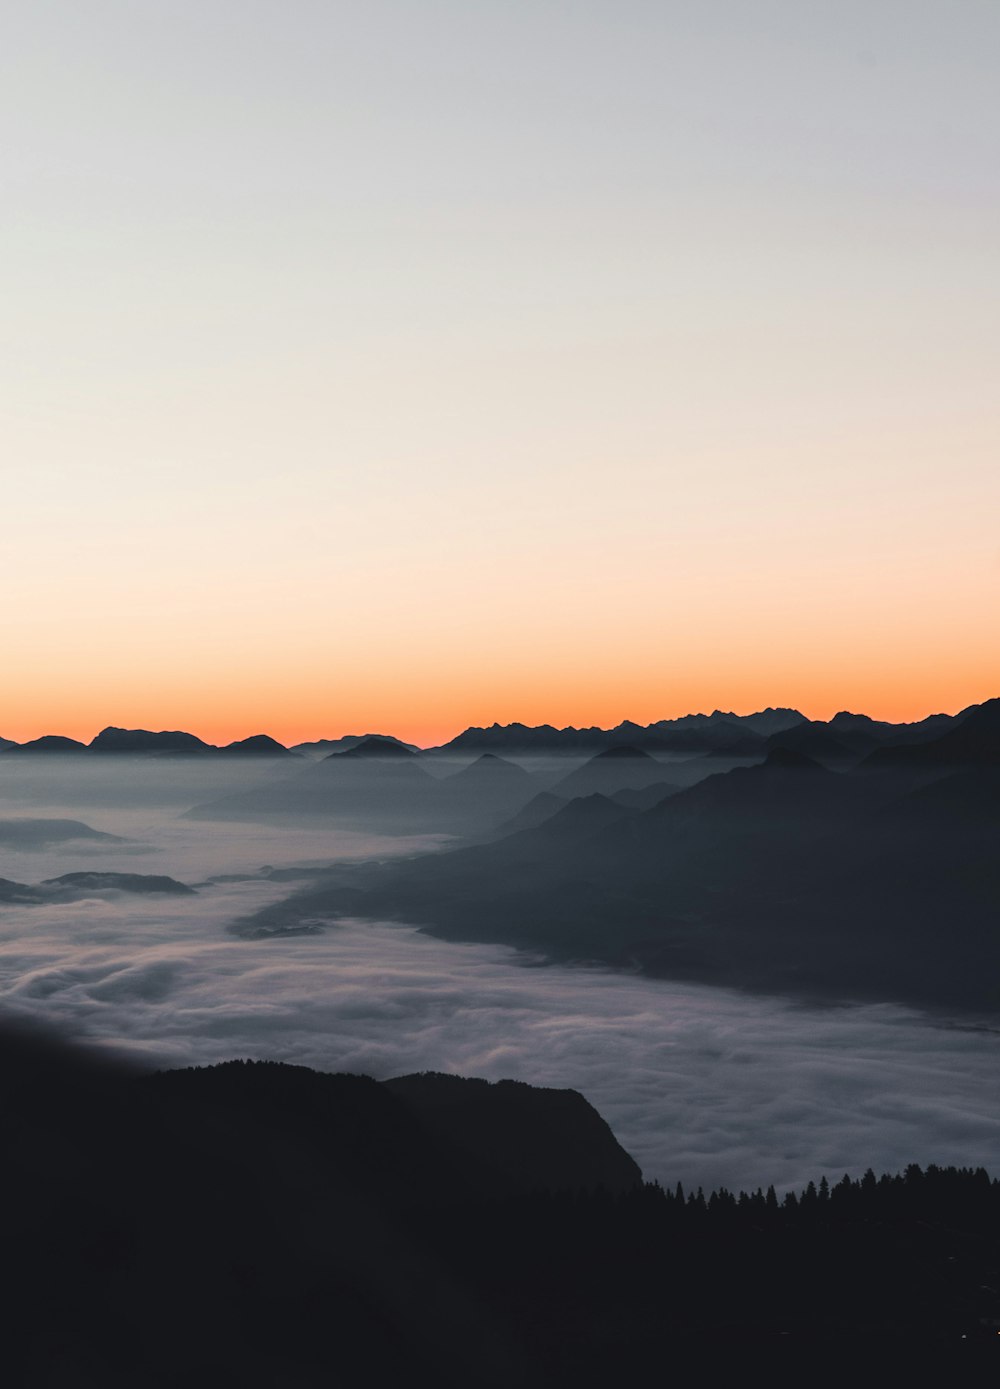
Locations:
column 425, row 739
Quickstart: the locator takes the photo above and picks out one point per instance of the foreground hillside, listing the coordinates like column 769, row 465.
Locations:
column 262, row 1225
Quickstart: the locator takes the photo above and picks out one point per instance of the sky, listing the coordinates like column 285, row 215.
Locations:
column 416, row 365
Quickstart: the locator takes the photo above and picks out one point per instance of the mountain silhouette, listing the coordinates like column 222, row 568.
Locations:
column 487, row 791
column 769, row 721
column 48, row 743
column 521, row 1138
column 140, row 740
column 263, row 1224
column 321, row 747
column 376, row 784
column 613, row 769
column 817, row 741
column 693, row 734
column 783, row 877
column 973, row 739
column 259, row 745
column 376, row 745
column 381, row 784
column 489, row 765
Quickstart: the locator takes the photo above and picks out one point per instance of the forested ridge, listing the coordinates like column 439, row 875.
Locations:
column 262, row 1225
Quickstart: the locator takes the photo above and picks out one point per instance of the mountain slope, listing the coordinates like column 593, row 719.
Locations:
column 784, row 876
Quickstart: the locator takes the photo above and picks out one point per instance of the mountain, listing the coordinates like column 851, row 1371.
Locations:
column 374, row 785
column 259, row 745
column 782, row 877
column 381, row 784
column 614, row 769
column 24, row 833
column 971, row 740
column 262, row 1224
column 140, row 740
column 487, row 769
column 698, row 734
column 322, row 747
column 49, row 743
column 274, row 1225
column 580, row 819
column 518, row 738
column 375, row 745
column 521, row 1137
column 12, row 893
column 73, row 886
column 488, row 791
column 847, row 738
column 769, row 721
column 692, row 734
column 816, row 740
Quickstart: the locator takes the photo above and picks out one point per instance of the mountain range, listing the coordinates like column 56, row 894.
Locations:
column 878, row 881
column 846, row 735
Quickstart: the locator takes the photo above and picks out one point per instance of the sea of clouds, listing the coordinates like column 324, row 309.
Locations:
column 702, row 1085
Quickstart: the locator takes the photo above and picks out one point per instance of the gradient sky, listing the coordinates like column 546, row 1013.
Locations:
column 412, row 365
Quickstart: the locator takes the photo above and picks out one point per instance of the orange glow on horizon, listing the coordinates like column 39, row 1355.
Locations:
column 429, row 727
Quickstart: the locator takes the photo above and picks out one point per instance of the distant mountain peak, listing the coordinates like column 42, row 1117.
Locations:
column 139, row 740
column 257, row 745
column 48, row 743
column 375, row 745
column 494, row 761
column 845, row 719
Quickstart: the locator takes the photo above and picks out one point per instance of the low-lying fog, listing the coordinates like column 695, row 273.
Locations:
column 701, row 1085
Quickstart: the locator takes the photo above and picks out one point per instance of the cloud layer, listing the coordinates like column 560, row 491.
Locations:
column 701, row 1085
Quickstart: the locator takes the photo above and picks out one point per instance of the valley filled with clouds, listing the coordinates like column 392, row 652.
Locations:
column 704, row 1085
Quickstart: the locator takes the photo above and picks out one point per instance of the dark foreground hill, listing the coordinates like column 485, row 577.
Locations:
column 262, row 1225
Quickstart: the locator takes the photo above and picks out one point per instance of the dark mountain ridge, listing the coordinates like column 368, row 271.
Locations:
column 972, row 739
column 119, row 741
column 690, row 734
column 49, row 743
column 719, row 732
column 140, row 742
column 261, row 1224
column 257, row 745
column 375, row 745
column 322, row 747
